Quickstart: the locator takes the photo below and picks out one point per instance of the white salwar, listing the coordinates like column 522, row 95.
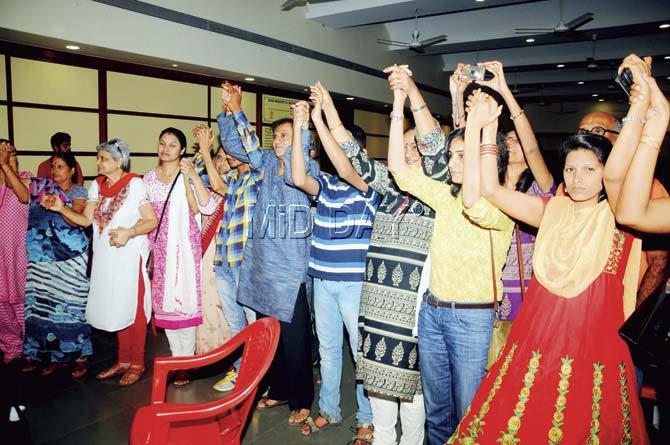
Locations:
column 112, row 298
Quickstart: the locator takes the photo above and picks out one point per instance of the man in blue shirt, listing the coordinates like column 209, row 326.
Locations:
column 274, row 265
column 342, row 229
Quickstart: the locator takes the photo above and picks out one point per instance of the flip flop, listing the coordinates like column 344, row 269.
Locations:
column 264, row 403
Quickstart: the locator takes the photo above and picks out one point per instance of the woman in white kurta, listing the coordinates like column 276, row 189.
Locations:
column 120, row 296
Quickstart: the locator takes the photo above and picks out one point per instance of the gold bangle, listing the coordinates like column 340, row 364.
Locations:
column 336, row 126
column 517, row 115
column 489, row 150
column 419, row 108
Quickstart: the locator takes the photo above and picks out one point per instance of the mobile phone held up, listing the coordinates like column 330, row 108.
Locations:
column 625, row 80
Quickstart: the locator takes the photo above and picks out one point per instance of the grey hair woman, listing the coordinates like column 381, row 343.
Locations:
column 122, row 216
column 115, row 150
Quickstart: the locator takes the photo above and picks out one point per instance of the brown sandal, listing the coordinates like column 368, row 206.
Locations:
column 181, row 378
column 265, row 403
column 115, row 370
column 132, row 375
column 298, row 416
column 28, row 365
column 51, row 368
column 80, row 368
column 362, row 438
column 310, row 426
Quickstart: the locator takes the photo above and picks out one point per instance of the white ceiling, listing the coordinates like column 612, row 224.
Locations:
column 470, row 24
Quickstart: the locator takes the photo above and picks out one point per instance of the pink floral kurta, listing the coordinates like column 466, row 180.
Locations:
column 158, row 192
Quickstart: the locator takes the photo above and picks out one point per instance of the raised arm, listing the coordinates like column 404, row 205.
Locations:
column 457, row 86
column 401, row 77
column 238, row 136
column 626, row 144
column 519, row 206
column 199, row 198
column 524, row 130
column 298, row 169
column 205, row 139
column 396, row 153
column 373, row 172
column 321, row 99
column 12, row 176
column 484, row 114
column 635, row 209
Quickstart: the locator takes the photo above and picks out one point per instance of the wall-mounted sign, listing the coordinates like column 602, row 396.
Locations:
column 275, row 107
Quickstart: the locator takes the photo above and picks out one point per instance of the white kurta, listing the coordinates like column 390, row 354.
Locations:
column 112, row 298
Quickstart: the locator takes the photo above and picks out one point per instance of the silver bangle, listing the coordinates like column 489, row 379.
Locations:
column 634, row 119
column 397, row 117
column 419, row 108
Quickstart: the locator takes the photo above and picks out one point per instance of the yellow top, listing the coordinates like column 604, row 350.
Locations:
column 460, row 251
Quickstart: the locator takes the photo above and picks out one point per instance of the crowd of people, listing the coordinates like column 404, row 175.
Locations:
column 416, row 258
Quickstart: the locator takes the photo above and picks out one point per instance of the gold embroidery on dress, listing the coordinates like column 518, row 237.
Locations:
column 380, row 349
column 381, row 273
column 595, row 407
column 412, row 358
column 514, row 422
column 556, row 433
column 397, row 275
column 398, row 354
column 615, row 254
column 475, row 428
column 414, row 279
column 625, row 406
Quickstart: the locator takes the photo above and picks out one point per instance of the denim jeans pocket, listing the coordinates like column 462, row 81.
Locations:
column 474, row 319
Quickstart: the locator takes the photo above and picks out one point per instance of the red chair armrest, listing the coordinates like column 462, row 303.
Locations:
column 172, row 412
column 163, row 365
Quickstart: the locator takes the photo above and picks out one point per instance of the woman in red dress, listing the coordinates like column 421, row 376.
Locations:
column 565, row 376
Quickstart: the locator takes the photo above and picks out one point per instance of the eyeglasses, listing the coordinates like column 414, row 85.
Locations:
column 597, row 130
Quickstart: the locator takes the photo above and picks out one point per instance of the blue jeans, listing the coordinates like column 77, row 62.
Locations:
column 337, row 303
column 453, row 349
column 226, row 286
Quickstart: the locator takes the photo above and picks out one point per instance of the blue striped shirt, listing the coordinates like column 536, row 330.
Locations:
column 342, row 228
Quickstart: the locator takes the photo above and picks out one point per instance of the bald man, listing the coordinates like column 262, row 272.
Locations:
column 602, row 124
column 654, row 265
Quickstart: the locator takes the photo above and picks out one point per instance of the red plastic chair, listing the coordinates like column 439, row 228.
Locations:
column 217, row 422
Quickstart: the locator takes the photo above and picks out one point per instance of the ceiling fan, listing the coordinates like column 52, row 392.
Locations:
column 561, row 27
column 415, row 44
column 592, row 65
column 290, row 4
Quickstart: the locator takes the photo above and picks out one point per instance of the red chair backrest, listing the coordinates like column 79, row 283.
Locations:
column 218, row 421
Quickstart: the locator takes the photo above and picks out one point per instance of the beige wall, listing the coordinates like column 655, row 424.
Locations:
column 101, row 29
column 4, row 130
column 148, row 94
column 54, row 84
column 3, row 80
column 45, row 83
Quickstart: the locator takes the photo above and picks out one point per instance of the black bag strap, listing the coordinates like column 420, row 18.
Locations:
column 165, row 205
